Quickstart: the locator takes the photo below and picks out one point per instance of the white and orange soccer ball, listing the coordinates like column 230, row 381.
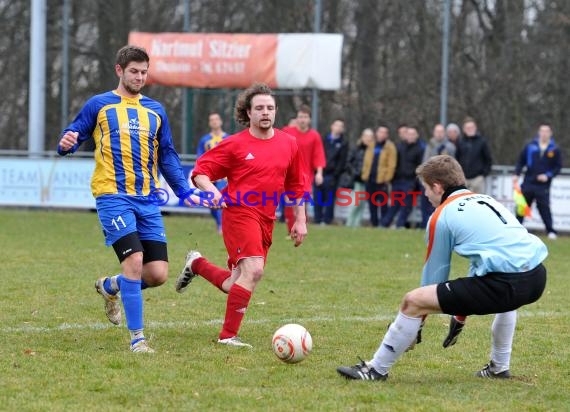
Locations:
column 292, row 343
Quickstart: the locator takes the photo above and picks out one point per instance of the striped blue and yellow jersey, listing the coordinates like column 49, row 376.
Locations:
column 481, row 229
column 209, row 141
column 133, row 142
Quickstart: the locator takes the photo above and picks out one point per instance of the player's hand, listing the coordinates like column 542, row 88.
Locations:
column 68, row 140
column 298, row 232
column 319, row 179
column 217, row 202
column 455, row 328
column 194, row 201
column 542, row 178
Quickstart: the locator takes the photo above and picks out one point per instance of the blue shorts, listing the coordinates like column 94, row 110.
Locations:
column 120, row 215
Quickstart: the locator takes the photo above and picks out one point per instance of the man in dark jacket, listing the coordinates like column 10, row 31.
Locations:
column 336, row 153
column 474, row 156
column 543, row 161
column 410, row 155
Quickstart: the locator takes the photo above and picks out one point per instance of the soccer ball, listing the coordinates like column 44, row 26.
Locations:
column 292, row 343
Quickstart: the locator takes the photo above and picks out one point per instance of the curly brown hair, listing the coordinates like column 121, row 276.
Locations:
column 243, row 103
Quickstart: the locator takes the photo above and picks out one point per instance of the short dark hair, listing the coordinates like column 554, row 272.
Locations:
column 304, row 109
column 243, row 103
column 129, row 53
column 469, row 119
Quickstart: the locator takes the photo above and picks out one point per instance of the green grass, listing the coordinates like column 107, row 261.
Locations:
column 57, row 352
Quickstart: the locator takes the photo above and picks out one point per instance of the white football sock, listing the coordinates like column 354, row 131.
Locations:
column 399, row 337
column 503, row 330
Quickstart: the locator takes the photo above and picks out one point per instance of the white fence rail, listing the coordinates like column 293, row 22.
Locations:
column 51, row 181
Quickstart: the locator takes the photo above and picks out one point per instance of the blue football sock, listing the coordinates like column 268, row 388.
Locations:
column 108, row 284
column 131, row 297
column 143, row 285
column 136, row 336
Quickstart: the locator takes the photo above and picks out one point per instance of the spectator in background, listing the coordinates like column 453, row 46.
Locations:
column 354, row 168
column 377, row 172
column 474, row 156
column 207, row 142
column 453, row 133
column 402, row 132
column 313, row 154
column 336, row 153
column 438, row 145
column 542, row 160
column 410, row 155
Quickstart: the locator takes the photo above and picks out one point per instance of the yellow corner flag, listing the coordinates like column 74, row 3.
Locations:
column 520, row 202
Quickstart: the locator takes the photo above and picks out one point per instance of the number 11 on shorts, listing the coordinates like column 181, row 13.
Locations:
column 116, row 221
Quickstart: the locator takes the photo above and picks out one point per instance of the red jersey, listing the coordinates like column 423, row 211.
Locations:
column 259, row 171
column 312, row 150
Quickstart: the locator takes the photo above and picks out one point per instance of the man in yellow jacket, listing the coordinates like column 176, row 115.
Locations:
column 377, row 172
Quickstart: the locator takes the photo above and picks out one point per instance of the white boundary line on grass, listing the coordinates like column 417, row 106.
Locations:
column 185, row 324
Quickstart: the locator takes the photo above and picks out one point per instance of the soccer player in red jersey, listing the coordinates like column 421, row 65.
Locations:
column 313, row 153
column 261, row 164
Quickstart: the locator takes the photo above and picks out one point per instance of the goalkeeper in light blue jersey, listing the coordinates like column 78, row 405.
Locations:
column 505, row 273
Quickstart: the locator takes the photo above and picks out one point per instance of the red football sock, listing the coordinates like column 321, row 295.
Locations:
column 238, row 300
column 212, row 273
column 460, row 318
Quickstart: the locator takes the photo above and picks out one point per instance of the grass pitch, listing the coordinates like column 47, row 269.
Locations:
column 58, row 352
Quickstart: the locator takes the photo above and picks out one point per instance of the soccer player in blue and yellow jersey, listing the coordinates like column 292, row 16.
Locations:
column 133, row 142
column 207, row 142
column 506, row 271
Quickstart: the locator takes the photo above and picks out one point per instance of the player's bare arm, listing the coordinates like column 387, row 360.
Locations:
column 319, row 176
column 204, row 183
column 299, row 229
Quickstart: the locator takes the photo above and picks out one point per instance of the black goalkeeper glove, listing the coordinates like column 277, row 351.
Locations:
column 455, row 328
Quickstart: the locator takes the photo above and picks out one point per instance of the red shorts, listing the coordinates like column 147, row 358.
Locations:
column 246, row 234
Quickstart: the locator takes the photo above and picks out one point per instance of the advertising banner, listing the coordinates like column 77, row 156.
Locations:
column 210, row 60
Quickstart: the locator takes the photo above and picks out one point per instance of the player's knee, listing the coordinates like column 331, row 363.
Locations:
column 155, row 273
column 251, row 271
column 158, row 278
column 256, row 274
column 252, row 275
column 411, row 304
column 133, row 264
